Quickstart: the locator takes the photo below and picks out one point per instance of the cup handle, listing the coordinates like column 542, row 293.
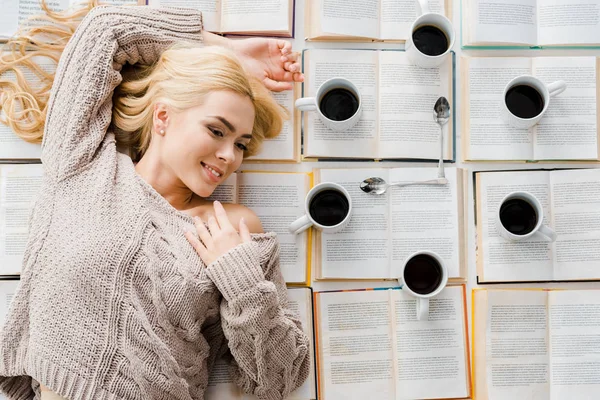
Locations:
column 422, row 309
column 300, row 225
column 424, row 6
column 306, row 104
column 547, row 233
column 557, row 88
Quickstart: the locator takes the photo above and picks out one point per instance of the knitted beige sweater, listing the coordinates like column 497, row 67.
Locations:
column 114, row 303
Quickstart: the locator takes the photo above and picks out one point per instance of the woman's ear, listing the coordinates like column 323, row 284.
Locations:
column 160, row 118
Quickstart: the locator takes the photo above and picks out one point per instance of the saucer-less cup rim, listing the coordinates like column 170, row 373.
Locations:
column 306, row 221
column 539, row 230
column 546, row 91
column 312, row 103
column 423, row 299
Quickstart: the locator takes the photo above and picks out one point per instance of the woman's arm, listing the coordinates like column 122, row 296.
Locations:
column 80, row 106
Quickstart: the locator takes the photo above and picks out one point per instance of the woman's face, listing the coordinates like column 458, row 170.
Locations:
column 203, row 145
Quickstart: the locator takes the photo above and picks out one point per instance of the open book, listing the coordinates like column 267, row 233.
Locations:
column 571, row 208
column 241, row 17
column 277, row 199
column 220, row 383
column 19, row 185
column 532, row 23
column 16, row 12
column 385, row 229
column 371, row 346
column 536, row 344
column 398, row 99
column 568, row 130
column 359, row 20
column 8, row 289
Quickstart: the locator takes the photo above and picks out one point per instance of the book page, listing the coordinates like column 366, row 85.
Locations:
column 424, row 217
column 19, row 186
column 432, row 361
column 490, row 137
column 211, row 16
column 360, row 67
column 8, row 289
column 278, row 200
column 280, row 147
column 524, row 260
column 362, row 248
column 503, row 21
column 407, row 95
column 255, row 16
column 517, row 356
column 574, row 344
column 576, row 218
column 355, row 346
column 568, row 130
column 226, row 191
column 568, row 22
column 349, row 17
column 220, row 383
column 397, row 17
column 14, row 13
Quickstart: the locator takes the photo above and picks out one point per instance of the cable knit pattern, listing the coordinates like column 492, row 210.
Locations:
column 114, row 303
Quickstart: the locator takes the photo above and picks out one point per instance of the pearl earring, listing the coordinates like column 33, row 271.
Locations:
column 162, row 132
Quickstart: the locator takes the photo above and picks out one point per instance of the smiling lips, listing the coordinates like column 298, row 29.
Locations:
column 213, row 173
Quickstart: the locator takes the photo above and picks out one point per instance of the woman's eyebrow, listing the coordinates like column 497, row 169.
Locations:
column 225, row 122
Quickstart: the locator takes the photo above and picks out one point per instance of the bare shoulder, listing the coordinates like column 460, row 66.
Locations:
column 236, row 212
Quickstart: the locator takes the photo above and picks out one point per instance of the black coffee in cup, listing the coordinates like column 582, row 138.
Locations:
column 423, row 274
column 524, row 101
column 339, row 104
column 430, row 40
column 329, row 207
column 518, row 216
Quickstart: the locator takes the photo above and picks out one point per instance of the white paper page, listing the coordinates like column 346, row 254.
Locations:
column 350, row 17
column 397, row 17
column 517, row 356
column 504, row 21
column 7, row 293
column 525, row 260
column 407, row 95
column 355, row 344
column 278, row 199
column 568, row 22
column 11, row 146
column 210, row 10
column 576, row 214
column 424, row 218
column 259, row 16
column 226, row 191
column 16, row 12
column 19, row 185
column 431, row 354
column 282, row 146
column 490, row 137
column 360, row 67
column 574, row 344
column 362, row 249
column 220, row 382
column 568, row 130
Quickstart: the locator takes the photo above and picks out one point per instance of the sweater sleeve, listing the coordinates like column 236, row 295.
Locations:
column 270, row 350
column 80, row 106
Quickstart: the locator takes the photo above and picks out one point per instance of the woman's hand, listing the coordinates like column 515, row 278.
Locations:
column 221, row 238
column 270, row 60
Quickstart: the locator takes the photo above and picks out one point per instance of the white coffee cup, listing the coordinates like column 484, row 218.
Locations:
column 307, row 220
column 440, row 282
column 427, row 17
column 539, row 230
column 313, row 103
column 545, row 91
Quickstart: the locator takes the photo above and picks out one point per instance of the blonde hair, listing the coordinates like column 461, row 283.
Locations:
column 183, row 75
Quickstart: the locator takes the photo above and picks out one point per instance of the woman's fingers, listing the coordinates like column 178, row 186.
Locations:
column 204, row 234
column 244, row 231
column 196, row 244
column 222, row 217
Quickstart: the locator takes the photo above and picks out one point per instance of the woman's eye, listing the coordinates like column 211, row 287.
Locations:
column 216, row 132
column 242, row 147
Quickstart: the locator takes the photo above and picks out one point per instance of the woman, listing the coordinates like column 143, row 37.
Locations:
column 114, row 302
